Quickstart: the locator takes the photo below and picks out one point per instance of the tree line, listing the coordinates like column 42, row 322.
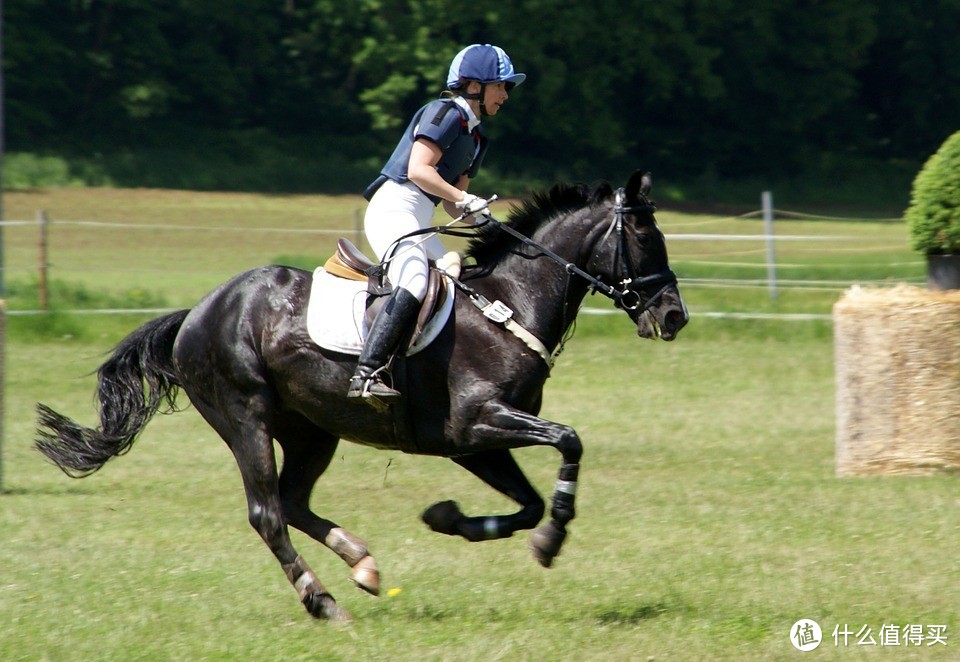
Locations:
column 689, row 86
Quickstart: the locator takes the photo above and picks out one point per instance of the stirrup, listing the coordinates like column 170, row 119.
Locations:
column 372, row 387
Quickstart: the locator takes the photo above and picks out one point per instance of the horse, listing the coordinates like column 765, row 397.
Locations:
column 243, row 358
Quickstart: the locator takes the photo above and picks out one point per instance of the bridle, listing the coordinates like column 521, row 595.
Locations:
column 627, row 293
column 629, row 296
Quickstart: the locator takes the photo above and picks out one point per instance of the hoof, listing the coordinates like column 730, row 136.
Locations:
column 366, row 576
column 324, row 607
column 545, row 543
column 443, row 517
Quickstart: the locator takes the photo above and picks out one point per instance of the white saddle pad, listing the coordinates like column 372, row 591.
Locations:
column 336, row 309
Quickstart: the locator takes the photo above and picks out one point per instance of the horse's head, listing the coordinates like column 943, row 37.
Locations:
column 609, row 240
column 631, row 254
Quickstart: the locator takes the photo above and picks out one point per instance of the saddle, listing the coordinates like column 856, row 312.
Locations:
column 350, row 263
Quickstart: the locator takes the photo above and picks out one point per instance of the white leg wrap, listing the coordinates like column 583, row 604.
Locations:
column 303, row 583
column 567, row 487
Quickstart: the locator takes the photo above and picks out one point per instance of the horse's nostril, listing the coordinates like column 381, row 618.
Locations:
column 675, row 320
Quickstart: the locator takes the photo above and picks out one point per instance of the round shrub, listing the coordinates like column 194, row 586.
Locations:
column 934, row 212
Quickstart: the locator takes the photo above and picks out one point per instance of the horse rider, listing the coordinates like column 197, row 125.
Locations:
column 439, row 153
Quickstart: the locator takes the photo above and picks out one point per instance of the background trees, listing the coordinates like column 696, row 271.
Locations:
column 690, row 87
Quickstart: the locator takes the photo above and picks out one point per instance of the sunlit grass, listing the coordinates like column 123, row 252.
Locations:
column 709, row 520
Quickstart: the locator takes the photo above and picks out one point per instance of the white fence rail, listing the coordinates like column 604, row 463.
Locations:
column 774, row 280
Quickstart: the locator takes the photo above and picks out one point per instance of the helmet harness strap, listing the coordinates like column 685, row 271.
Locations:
column 478, row 96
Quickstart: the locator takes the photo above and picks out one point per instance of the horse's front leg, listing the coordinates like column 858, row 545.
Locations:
column 499, row 470
column 499, row 425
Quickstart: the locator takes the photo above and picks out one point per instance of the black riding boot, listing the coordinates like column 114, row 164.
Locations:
column 389, row 326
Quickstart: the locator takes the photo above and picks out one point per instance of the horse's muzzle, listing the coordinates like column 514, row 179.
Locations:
column 664, row 319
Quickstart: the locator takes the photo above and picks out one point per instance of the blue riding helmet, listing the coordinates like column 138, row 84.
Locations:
column 483, row 63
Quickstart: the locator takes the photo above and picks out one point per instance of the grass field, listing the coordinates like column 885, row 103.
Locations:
column 709, row 516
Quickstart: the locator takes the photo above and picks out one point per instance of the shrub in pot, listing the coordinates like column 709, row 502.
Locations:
column 934, row 215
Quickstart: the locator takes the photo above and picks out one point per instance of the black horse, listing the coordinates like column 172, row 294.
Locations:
column 244, row 359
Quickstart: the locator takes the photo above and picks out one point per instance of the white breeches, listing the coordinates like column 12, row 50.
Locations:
column 395, row 210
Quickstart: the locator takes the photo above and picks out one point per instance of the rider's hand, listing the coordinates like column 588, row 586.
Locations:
column 471, row 204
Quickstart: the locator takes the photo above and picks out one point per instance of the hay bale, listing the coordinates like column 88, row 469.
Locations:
column 897, row 356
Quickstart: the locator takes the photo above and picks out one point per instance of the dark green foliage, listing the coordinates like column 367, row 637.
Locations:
column 934, row 212
column 709, row 91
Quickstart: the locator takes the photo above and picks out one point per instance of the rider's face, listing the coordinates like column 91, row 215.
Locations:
column 495, row 94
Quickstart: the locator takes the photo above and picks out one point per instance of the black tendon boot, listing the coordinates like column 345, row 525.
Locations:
column 388, row 328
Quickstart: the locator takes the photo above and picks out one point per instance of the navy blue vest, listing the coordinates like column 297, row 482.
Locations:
column 444, row 123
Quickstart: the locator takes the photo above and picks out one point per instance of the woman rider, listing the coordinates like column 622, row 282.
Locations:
column 439, row 153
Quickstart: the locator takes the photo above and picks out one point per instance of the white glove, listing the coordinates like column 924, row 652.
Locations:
column 471, row 204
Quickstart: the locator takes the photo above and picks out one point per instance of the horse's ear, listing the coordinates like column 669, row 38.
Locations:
column 640, row 182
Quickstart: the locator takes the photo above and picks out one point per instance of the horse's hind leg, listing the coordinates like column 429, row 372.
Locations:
column 242, row 425
column 307, row 451
column 498, row 469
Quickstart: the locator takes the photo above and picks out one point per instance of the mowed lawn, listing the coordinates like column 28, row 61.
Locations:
column 709, row 522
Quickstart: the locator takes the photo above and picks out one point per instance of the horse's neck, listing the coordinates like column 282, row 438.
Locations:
column 545, row 298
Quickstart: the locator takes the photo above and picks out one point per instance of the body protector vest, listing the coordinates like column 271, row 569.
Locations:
column 442, row 122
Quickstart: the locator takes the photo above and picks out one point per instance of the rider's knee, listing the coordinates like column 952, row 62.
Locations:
column 415, row 288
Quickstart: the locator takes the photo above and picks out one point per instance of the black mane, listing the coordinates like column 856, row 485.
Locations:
column 490, row 245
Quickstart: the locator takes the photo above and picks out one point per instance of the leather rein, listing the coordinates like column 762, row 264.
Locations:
column 629, row 295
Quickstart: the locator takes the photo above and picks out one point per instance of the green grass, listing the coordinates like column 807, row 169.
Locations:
column 709, row 516
column 709, row 520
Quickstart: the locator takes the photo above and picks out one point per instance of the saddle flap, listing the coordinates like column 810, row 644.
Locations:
column 436, row 289
column 432, row 304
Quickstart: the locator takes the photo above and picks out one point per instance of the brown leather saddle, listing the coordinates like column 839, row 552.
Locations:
column 349, row 262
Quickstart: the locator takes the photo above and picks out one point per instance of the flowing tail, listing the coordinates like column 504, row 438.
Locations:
column 134, row 384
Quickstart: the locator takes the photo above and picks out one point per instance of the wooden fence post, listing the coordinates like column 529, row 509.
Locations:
column 44, row 293
column 766, row 199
